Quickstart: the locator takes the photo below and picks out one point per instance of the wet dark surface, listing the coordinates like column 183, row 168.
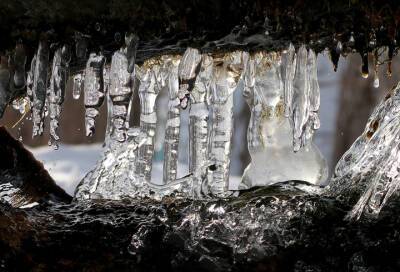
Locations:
column 289, row 226
column 275, row 229
column 171, row 26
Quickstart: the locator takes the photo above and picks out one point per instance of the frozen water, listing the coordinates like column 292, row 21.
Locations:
column 93, row 90
column 148, row 91
column 39, row 87
column 198, row 119
column 227, row 69
column 59, row 74
column 369, row 170
column 172, row 128
column 270, row 132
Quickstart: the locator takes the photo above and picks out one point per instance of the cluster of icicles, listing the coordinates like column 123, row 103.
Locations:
column 281, row 90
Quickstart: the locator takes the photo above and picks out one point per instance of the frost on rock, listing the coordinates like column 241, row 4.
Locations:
column 227, row 69
column 93, row 90
column 56, row 95
column 270, row 132
column 39, row 87
column 368, row 174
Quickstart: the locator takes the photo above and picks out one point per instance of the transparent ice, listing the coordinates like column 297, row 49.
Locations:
column 270, row 133
column 39, row 87
column 369, row 170
column 93, row 90
column 56, row 95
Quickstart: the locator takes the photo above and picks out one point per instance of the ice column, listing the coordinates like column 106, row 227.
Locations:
column 93, row 90
column 227, row 69
column 270, row 133
column 39, row 87
column 120, row 93
column 188, row 69
column 198, row 119
column 305, row 102
column 58, row 80
column 173, row 122
column 148, row 91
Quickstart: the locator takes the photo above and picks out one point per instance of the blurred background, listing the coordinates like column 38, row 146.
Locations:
column 347, row 100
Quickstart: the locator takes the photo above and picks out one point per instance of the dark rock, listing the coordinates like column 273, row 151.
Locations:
column 23, row 180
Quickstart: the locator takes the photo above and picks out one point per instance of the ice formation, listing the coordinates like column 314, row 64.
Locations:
column 270, row 134
column 56, row 93
column 39, row 87
column 368, row 174
column 281, row 91
column 227, row 70
column 172, row 128
column 93, row 90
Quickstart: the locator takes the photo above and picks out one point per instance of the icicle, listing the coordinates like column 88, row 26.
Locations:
column 120, row 93
column 5, row 77
column 226, row 73
column 364, row 66
column 131, row 41
column 300, row 98
column 77, row 85
column 290, row 65
column 198, row 119
column 390, row 57
column 29, row 81
column 93, row 90
column 148, row 92
column 376, row 66
column 18, row 62
column 188, row 69
column 39, row 88
column 81, row 45
column 56, row 97
column 271, row 132
column 172, row 128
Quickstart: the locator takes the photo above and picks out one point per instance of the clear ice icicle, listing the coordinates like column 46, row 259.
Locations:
column 58, row 79
column 188, row 69
column 5, row 77
column 300, row 98
column 290, row 65
column 270, row 134
column 227, row 69
column 93, row 90
column 198, row 118
column 172, row 127
column 39, row 88
column 148, row 91
column 120, row 92
column 77, row 85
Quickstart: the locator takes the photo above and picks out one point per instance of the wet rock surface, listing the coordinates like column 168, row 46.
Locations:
column 280, row 228
column 291, row 226
column 23, row 180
